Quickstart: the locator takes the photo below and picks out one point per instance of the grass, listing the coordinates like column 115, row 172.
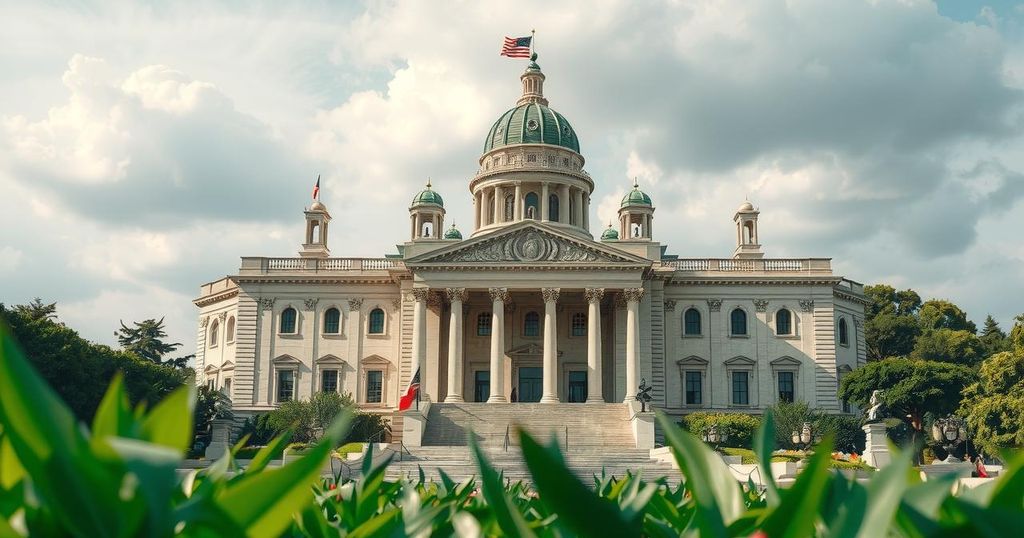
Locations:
column 747, row 456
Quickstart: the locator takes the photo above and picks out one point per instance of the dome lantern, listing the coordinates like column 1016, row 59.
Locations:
column 427, row 214
column 453, row 233
column 610, row 234
column 635, row 215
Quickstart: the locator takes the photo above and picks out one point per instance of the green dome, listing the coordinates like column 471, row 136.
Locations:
column 636, row 197
column 428, row 197
column 532, row 123
column 453, row 233
column 609, row 234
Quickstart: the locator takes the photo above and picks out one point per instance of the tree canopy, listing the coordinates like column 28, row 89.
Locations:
column 994, row 406
column 948, row 345
column 146, row 339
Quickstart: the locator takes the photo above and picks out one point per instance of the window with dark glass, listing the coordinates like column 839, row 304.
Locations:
column 374, row 386
column 693, row 388
column 377, row 321
column 332, row 321
column 481, row 385
column 230, row 333
column 213, row 333
column 329, row 381
column 786, row 390
column 740, row 388
column 783, row 322
column 531, row 325
column 844, row 336
column 553, row 208
column 739, row 322
column 288, row 317
column 483, row 324
column 579, row 324
column 691, row 322
column 285, row 385
column 227, row 386
column 532, row 206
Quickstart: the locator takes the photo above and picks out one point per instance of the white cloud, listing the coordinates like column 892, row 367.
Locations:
column 10, row 259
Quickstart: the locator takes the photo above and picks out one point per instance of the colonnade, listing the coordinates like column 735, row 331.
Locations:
column 499, row 298
column 573, row 204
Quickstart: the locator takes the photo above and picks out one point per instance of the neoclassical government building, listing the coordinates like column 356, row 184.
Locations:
column 530, row 306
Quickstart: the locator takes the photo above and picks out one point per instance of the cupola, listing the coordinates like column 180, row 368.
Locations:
column 317, row 219
column 747, row 243
column 610, row 234
column 426, row 213
column 636, row 213
column 453, row 233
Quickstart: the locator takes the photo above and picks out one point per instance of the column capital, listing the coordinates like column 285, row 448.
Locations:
column 456, row 294
column 714, row 305
column 355, row 304
column 670, row 305
column 550, row 294
column 499, row 294
column 633, row 295
column 420, row 294
column 593, row 295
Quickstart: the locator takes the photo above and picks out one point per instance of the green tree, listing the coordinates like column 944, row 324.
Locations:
column 910, row 388
column 890, row 335
column 948, row 345
column 993, row 338
column 37, row 310
column 146, row 339
column 941, row 314
column 1017, row 332
column 885, row 299
column 994, row 405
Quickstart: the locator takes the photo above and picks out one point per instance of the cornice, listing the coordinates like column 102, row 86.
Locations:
column 851, row 297
column 301, row 279
column 215, row 298
column 755, row 281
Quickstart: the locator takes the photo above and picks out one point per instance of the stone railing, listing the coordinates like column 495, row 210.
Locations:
column 732, row 265
column 273, row 265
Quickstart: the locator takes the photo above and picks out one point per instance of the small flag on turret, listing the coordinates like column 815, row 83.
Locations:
column 516, row 47
column 316, row 188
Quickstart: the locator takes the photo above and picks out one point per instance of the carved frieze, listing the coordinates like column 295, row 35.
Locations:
column 806, row 305
column 594, row 295
column 550, row 295
column 715, row 305
column 761, row 304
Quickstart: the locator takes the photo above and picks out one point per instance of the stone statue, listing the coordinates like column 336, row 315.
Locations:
column 643, row 395
column 875, row 413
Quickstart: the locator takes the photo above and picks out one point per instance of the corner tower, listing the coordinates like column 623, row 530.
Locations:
column 531, row 167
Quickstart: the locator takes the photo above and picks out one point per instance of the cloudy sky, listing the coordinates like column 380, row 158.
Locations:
column 145, row 147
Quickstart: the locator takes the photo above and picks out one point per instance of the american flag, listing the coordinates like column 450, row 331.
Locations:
column 316, row 188
column 516, row 47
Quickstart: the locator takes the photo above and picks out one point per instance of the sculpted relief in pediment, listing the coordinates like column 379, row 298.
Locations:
column 524, row 246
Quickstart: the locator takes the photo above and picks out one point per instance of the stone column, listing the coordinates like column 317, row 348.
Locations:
column 545, row 200
column 550, row 394
column 563, row 204
column 518, row 211
column 577, row 199
column 499, row 205
column 499, row 296
column 633, row 296
column 478, row 205
column 456, row 296
column 594, row 296
column 419, row 336
column 586, row 211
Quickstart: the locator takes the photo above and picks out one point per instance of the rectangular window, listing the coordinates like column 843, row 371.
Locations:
column 285, row 385
column 483, row 324
column 579, row 324
column 329, row 381
column 227, row 386
column 374, row 386
column 693, row 388
column 786, row 390
column 481, row 385
column 740, row 388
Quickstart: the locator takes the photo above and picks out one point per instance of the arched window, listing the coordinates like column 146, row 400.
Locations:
column 531, row 205
column 288, row 317
column 636, row 230
column 553, row 208
column 213, row 332
column 428, row 229
column 231, row 329
column 844, row 333
column 376, row 321
column 579, row 324
column 691, row 322
column 783, row 322
column 738, row 319
column 332, row 321
column 531, row 324
column 510, row 207
column 483, row 324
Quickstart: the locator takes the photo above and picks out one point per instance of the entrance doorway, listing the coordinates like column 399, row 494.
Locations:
column 530, row 383
column 577, row 386
column 481, row 385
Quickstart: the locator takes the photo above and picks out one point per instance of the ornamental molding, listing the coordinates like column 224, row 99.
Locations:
column 550, row 295
column 420, row 294
column 850, row 297
column 670, row 305
column 267, row 303
column 456, row 295
column 807, row 305
column 211, row 299
column 593, row 295
column 633, row 295
column 204, row 321
column 355, row 304
column 311, row 303
column 499, row 294
column 222, row 316
column 761, row 305
column 715, row 305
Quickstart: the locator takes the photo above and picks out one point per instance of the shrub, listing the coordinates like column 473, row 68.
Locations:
column 849, row 437
column 258, row 428
column 365, row 426
column 740, row 427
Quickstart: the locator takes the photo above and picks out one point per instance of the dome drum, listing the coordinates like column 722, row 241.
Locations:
column 531, row 158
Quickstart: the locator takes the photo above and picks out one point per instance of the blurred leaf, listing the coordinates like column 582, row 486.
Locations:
column 264, row 455
column 170, row 422
column 11, row 471
column 798, row 510
column 764, row 445
column 1009, row 488
column 505, row 513
column 114, row 415
column 379, row 525
column 885, row 490
column 709, row 480
column 576, row 505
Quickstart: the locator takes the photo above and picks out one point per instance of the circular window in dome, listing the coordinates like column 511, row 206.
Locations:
column 532, row 125
column 566, row 131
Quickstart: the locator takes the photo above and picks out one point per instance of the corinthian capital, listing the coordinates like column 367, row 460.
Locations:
column 593, row 295
column 633, row 294
column 456, row 294
column 550, row 294
column 355, row 304
column 499, row 294
column 420, row 294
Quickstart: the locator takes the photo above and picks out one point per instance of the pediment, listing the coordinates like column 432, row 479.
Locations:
column 530, row 349
column 785, row 361
column 527, row 243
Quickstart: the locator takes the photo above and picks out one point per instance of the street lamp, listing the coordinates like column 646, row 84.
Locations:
column 949, row 432
column 714, row 437
column 802, row 439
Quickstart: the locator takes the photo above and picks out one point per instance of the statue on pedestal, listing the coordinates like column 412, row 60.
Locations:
column 876, row 412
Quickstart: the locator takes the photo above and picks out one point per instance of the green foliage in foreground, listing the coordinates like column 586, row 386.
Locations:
column 118, row 478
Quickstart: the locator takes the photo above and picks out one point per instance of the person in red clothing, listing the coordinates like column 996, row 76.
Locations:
column 979, row 467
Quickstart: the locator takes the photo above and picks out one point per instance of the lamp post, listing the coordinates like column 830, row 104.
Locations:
column 714, row 437
column 802, row 439
column 949, row 432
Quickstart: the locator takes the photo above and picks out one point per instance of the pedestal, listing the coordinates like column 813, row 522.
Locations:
column 414, row 424
column 220, row 439
column 876, row 447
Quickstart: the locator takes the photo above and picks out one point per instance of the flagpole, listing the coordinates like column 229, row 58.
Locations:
column 533, row 38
